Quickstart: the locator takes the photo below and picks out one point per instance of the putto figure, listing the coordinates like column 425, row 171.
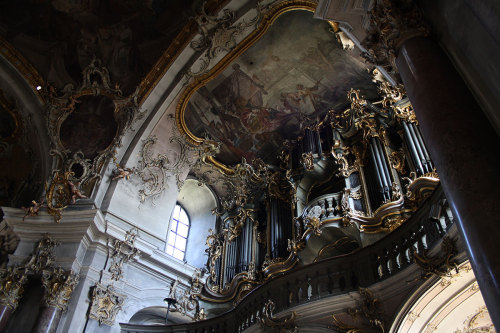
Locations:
column 123, row 173
column 75, row 192
column 32, row 210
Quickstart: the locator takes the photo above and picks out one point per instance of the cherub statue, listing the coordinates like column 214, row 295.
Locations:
column 123, row 173
column 32, row 210
column 75, row 192
column 72, row 104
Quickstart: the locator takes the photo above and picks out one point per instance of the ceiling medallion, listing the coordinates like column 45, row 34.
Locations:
column 85, row 125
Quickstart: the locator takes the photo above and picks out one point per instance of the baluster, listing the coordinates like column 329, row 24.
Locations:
column 379, row 272
column 322, row 204
column 448, row 216
column 298, row 297
column 354, row 281
column 289, row 294
column 342, row 283
column 395, row 257
column 422, row 246
column 404, row 260
column 315, row 285
column 330, row 284
column 331, row 207
column 386, row 263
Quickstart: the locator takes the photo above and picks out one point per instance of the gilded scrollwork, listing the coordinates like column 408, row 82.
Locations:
column 106, row 303
column 294, row 246
column 269, row 323
column 419, row 188
column 440, row 264
column 307, row 161
column 59, row 286
column 187, row 300
column 12, row 282
column 60, row 193
column 214, row 251
column 397, row 160
column 312, row 220
column 234, row 229
column 358, row 103
column 370, row 309
column 478, row 322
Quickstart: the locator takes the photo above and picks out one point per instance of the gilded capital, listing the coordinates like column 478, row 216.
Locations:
column 59, row 286
column 12, row 282
column 392, row 22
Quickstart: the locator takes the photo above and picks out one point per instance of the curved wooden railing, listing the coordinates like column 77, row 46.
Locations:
column 332, row 276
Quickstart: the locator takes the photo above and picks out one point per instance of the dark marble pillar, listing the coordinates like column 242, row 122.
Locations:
column 59, row 285
column 466, row 152
column 48, row 320
column 5, row 313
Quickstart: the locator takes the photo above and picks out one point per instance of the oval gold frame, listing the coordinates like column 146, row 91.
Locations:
column 267, row 21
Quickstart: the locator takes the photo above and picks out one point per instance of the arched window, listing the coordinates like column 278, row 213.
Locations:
column 178, row 233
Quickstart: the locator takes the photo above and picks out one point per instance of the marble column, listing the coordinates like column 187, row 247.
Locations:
column 466, row 152
column 59, row 285
column 48, row 320
column 12, row 282
column 5, row 313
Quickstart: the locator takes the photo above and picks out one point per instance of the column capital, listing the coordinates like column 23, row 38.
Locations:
column 12, row 282
column 59, row 285
column 392, row 22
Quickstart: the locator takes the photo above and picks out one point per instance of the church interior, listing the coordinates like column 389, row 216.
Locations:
column 249, row 166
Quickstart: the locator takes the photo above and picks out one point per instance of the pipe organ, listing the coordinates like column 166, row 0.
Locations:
column 370, row 169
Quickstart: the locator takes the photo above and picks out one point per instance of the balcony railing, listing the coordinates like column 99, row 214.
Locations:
column 332, row 276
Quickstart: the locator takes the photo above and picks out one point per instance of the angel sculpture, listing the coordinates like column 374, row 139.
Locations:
column 32, row 210
column 123, row 173
column 75, row 192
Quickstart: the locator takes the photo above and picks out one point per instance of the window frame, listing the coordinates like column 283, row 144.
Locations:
column 178, row 220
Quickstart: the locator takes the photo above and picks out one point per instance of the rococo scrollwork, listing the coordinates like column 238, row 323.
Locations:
column 269, row 323
column 106, row 303
column 76, row 174
column 122, row 252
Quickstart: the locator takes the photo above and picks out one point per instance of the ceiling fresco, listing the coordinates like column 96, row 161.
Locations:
column 290, row 77
column 61, row 37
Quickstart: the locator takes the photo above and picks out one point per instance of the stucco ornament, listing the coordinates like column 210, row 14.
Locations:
column 106, row 303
